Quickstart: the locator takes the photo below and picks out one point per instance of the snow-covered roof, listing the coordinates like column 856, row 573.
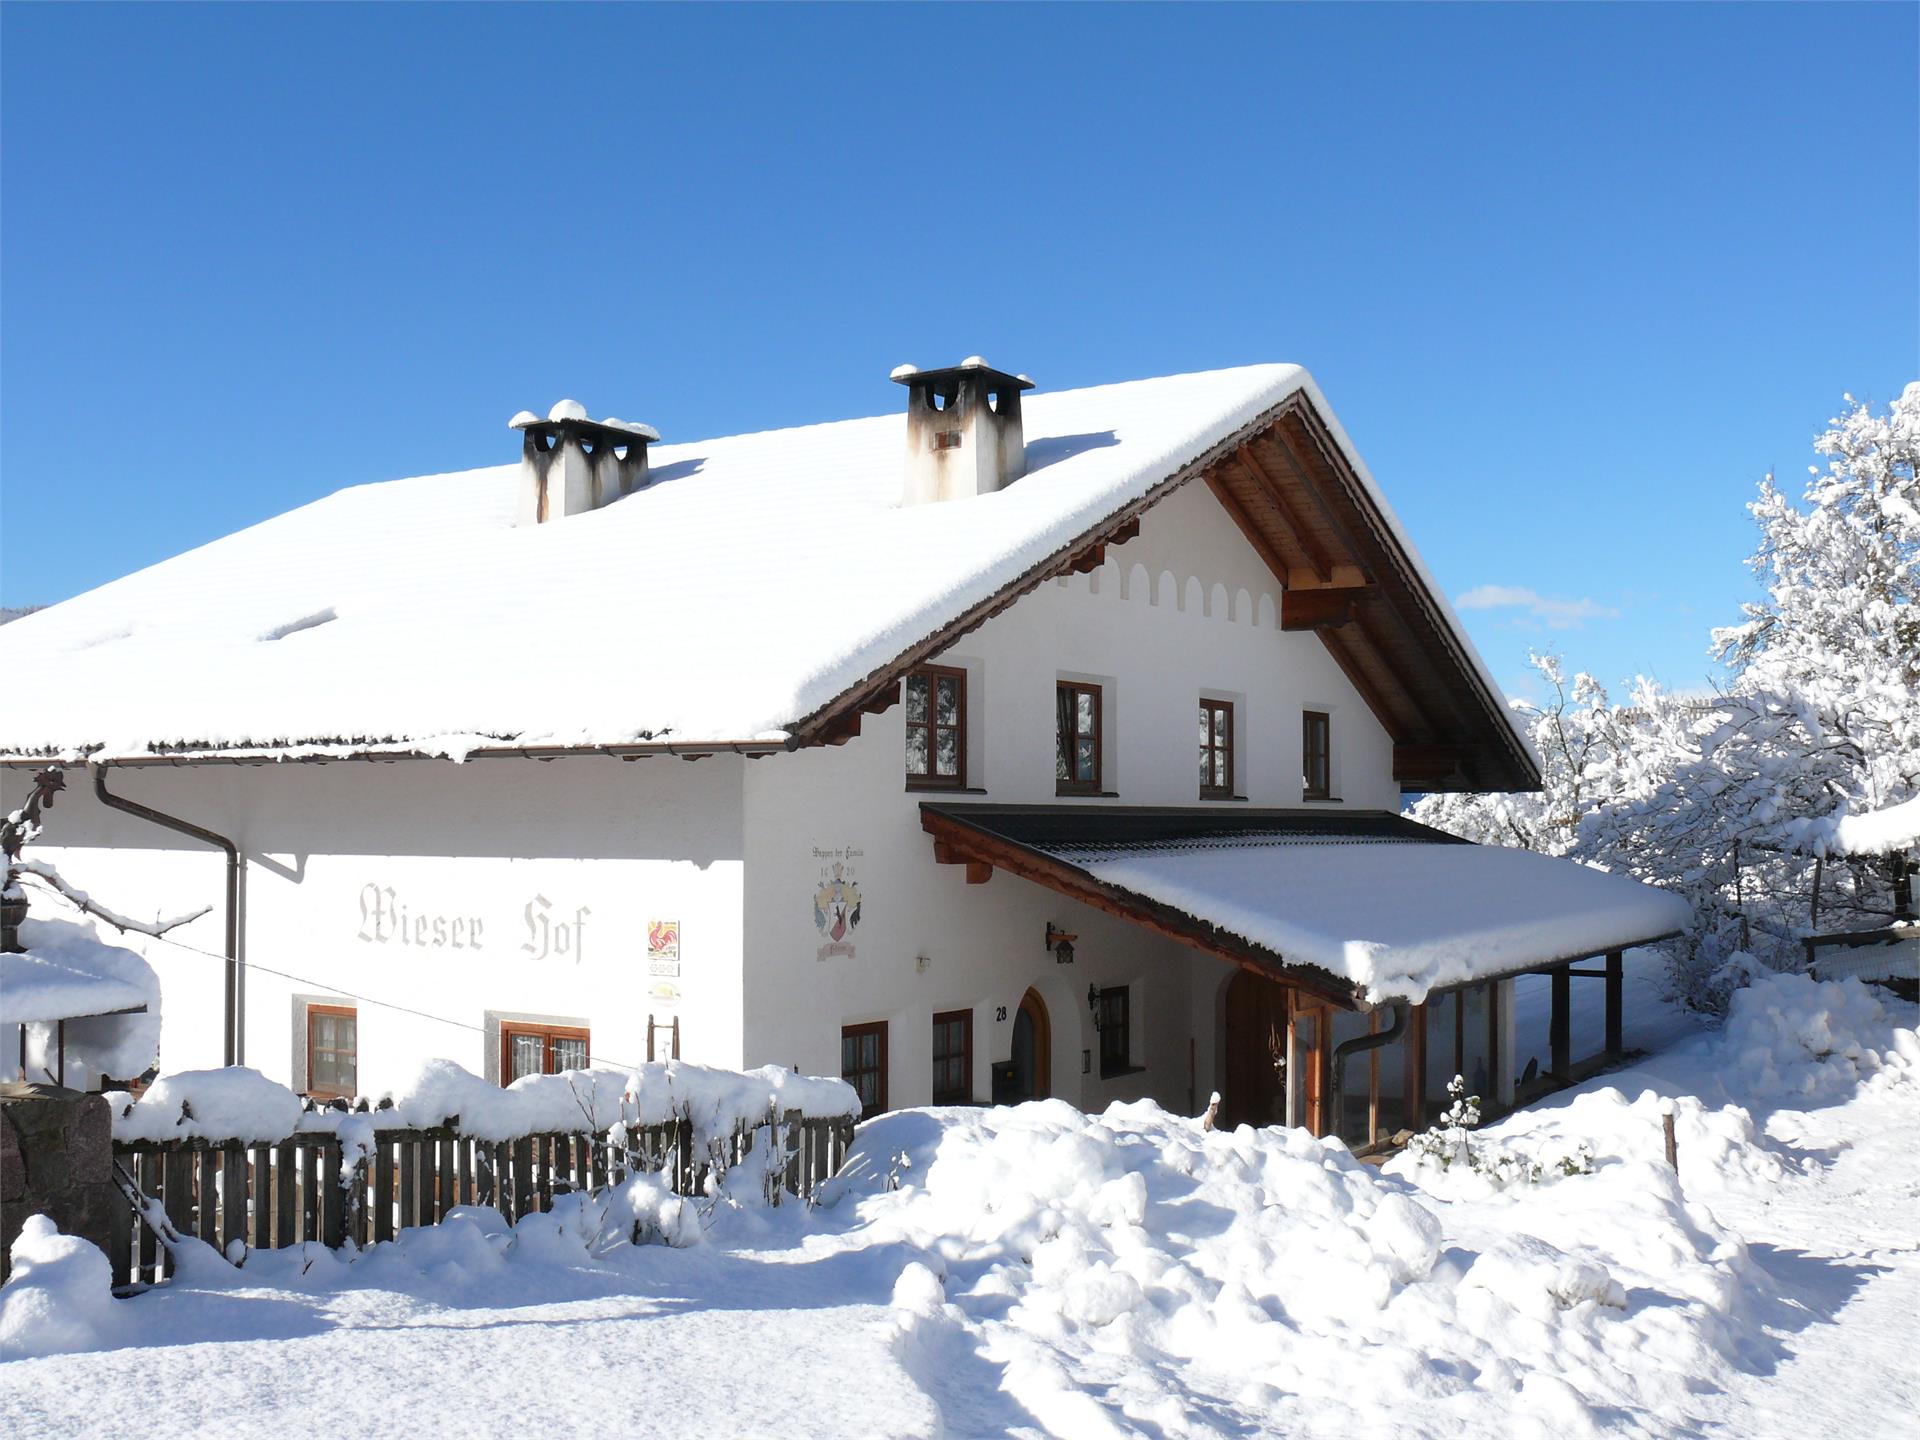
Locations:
column 1880, row 832
column 750, row 583
column 67, row 972
column 1392, row 908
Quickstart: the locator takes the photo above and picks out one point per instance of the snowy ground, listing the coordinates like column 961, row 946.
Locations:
column 1037, row 1272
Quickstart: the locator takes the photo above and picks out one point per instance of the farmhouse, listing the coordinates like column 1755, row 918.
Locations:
column 1022, row 744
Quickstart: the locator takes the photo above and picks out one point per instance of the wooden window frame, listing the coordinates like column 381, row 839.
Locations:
column 931, row 780
column 964, row 1019
column 1310, row 720
column 548, row 1034
column 868, row 1027
column 1220, row 711
column 352, row 1012
column 1069, row 785
column 1116, row 1056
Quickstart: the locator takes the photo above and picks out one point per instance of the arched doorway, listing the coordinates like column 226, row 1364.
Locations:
column 1256, row 1052
column 1032, row 1050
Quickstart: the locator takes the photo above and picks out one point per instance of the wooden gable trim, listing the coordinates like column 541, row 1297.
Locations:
column 956, row 843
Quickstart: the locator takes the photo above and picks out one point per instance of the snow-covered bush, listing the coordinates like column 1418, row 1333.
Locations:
column 1449, row 1151
column 1794, row 1036
column 58, row 1296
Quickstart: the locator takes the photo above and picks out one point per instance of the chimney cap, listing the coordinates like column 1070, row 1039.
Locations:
column 572, row 412
column 972, row 365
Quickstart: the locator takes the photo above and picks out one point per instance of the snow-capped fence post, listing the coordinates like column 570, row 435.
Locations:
column 1666, row 1129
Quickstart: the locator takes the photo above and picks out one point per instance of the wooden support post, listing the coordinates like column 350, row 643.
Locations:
column 409, row 1178
column 120, row 1242
column 285, row 1231
column 382, row 1202
column 1616, row 985
column 522, row 1180
column 309, row 1193
column 206, row 1164
column 261, row 1237
column 146, row 1177
column 1560, row 1026
column 333, row 1197
column 233, row 1196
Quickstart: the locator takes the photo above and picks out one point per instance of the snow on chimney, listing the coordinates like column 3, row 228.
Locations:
column 963, row 430
column 569, row 463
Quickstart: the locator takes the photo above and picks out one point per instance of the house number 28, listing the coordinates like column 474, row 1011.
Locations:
column 1000, row 1012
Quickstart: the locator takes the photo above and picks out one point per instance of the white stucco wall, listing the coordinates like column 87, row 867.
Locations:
column 500, row 887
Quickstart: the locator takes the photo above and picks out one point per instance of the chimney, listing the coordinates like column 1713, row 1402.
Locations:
column 569, row 463
column 963, row 430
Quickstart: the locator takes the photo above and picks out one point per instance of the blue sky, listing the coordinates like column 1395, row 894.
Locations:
column 1573, row 277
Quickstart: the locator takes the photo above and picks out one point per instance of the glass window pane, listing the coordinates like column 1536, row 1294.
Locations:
column 569, row 1053
column 1083, row 706
column 1390, row 1097
column 947, row 756
column 1060, row 759
column 1206, row 769
column 1219, row 769
column 1350, row 1108
column 1476, row 1053
column 1084, row 760
column 1206, row 725
column 947, row 710
column 323, row 1032
column 526, row 1056
column 916, row 750
column 916, row 699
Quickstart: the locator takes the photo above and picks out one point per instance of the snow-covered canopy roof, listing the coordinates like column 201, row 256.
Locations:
column 68, row 972
column 1878, row 832
column 1375, row 903
column 754, row 581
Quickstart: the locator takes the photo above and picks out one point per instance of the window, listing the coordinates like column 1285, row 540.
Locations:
column 863, row 1064
column 1076, row 763
column 1216, row 749
column 1116, row 1032
column 540, row 1050
column 333, row 1051
column 937, row 728
column 953, row 1057
column 1316, row 755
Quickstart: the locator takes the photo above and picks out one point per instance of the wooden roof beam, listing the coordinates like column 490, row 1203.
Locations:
column 1322, row 609
column 1426, row 767
column 1256, row 537
column 1318, row 567
column 1393, row 717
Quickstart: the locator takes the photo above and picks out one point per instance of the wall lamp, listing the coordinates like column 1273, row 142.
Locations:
column 1061, row 944
column 1093, row 1004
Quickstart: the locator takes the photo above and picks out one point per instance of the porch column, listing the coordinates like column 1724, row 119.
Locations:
column 1560, row 1027
column 1616, row 985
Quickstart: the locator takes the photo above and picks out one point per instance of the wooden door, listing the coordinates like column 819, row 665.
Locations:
column 1312, row 1063
column 1032, row 1049
column 1256, row 1052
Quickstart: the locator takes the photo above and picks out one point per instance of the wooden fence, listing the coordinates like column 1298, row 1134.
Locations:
column 300, row 1190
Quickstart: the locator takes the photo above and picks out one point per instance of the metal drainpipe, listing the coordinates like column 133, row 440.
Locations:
column 1360, row 1044
column 234, row 879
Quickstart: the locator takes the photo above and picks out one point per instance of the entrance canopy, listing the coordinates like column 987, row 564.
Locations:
column 1361, row 908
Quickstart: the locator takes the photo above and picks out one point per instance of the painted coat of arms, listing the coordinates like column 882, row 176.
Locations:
column 836, row 910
